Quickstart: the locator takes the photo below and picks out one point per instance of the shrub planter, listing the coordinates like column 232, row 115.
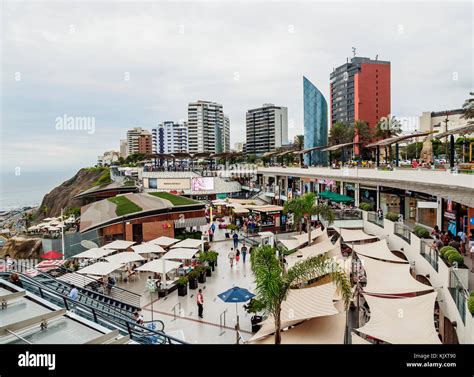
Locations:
column 202, row 277
column 162, row 292
column 193, row 283
column 209, row 271
column 255, row 320
column 213, row 265
column 182, row 290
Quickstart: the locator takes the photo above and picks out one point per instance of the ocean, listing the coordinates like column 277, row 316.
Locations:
column 29, row 188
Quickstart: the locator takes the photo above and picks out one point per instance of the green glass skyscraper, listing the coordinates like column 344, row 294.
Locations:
column 315, row 123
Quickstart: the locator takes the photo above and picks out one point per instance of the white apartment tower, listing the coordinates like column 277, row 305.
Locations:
column 266, row 129
column 170, row 137
column 208, row 131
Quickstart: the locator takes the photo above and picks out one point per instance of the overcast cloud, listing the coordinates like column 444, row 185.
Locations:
column 73, row 58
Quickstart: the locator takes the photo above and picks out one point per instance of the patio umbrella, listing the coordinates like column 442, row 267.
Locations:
column 52, row 254
column 236, row 294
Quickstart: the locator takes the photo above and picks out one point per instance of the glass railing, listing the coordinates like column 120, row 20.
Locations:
column 459, row 294
column 373, row 218
column 402, row 231
column 430, row 254
column 348, row 214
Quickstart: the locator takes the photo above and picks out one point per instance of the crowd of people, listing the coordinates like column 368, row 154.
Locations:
column 460, row 241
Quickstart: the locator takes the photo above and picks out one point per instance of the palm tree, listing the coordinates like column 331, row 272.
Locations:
column 299, row 142
column 340, row 133
column 310, row 208
column 468, row 108
column 388, row 127
column 294, row 206
column 273, row 283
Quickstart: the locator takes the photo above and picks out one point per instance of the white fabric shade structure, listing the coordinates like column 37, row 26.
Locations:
column 99, row 269
column 95, row 253
column 302, row 304
column 125, row 257
column 390, row 278
column 377, row 250
column 310, row 252
column 148, row 247
column 180, row 253
column 188, row 243
column 159, row 266
column 119, row 245
column 403, row 320
column 299, row 240
column 164, row 241
column 34, row 227
column 355, row 235
column 72, row 278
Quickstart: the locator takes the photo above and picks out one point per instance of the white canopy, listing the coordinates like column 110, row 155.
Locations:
column 159, row 266
column 164, row 241
column 34, row 227
column 402, row 320
column 356, row 339
column 148, row 247
column 354, row 235
column 180, row 253
column 188, row 243
column 99, row 269
column 302, row 304
column 296, row 241
column 390, row 278
column 119, row 245
column 378, row 250
column 125, row 257
column 72, row 278
column 95, row 253
column 310, row 252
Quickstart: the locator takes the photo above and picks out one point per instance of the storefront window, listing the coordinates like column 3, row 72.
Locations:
column 349, row 189
column 389, row 203
column 367, row 195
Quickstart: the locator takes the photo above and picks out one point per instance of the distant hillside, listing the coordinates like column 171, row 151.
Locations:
column 62, row 195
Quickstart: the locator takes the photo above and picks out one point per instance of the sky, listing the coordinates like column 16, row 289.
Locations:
column 136, row 64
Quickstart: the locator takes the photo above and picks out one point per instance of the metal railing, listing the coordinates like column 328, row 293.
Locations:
column 373, row 218
column 348, row 214
column 402, row 231
column 459, row 294
column 430, row 254
column 126, row 326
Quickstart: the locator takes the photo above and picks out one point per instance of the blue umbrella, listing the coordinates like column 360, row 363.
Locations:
column 236, row 294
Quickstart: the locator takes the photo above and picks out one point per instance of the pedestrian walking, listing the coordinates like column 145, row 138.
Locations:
column 235, row 237
column 244, row 252
column 231, row 257
column 237, row 256
column 73, row 293
column 200, row 303
column 211, row 234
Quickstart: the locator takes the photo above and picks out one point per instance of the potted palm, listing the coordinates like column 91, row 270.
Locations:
column 212, row 258
column 201, row 271
column 182, row 286
column 208, row 270
column 254, row 307
column 193, row 279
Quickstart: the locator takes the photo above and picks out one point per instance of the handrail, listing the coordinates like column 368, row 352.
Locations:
column 222, row 322
column 126, row 325
column 174, row 310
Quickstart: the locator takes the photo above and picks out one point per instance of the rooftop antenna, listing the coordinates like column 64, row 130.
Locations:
column 354, row 51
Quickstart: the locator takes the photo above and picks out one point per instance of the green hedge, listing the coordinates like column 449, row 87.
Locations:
column 421, row 232
column 366, row 206
column 392, row 216
column 445, row 249
column 174, row 199
column 456, row 257
column 470, row 303
column 124, row 205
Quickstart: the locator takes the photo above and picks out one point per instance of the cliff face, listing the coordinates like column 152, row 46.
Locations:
column 22, row 248
column 62, row 196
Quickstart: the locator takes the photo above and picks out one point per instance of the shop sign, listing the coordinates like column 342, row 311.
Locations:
column 450, row 215
column 450, row 205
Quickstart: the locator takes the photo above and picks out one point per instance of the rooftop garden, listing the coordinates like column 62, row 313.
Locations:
column 174, row 199
column 124, row 205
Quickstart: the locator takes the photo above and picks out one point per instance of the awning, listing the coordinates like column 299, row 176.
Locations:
column 398, row 139
column 181, row 253
column 299, row 240
column 240, row 210
column 164, row 241
column 125, row 257
column 377, row 250
column 339, row 146
column 99, row 269
column 95, row 253
column 49, row 265
column 302, row 304
column 148, row 247
column 335, row 197
column 159, row 266
column 402, row 320
column 188, row 243
column 119, row 245
column 189, row 223
column 465, row 130
column 390, row 278
column 354, row 235
column 310, row 252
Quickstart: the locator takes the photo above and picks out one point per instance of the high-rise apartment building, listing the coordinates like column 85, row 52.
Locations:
column 170, row 137
column 208, row 129
column 139, row 141
column 315, row 123
column 360, row 90
column 123, row 148
column 266, row 129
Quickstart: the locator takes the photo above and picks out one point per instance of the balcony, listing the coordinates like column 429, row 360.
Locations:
column 348, row 214
column 373, row 218
column 459, row 294
column 402, row 231
column 430, row 254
